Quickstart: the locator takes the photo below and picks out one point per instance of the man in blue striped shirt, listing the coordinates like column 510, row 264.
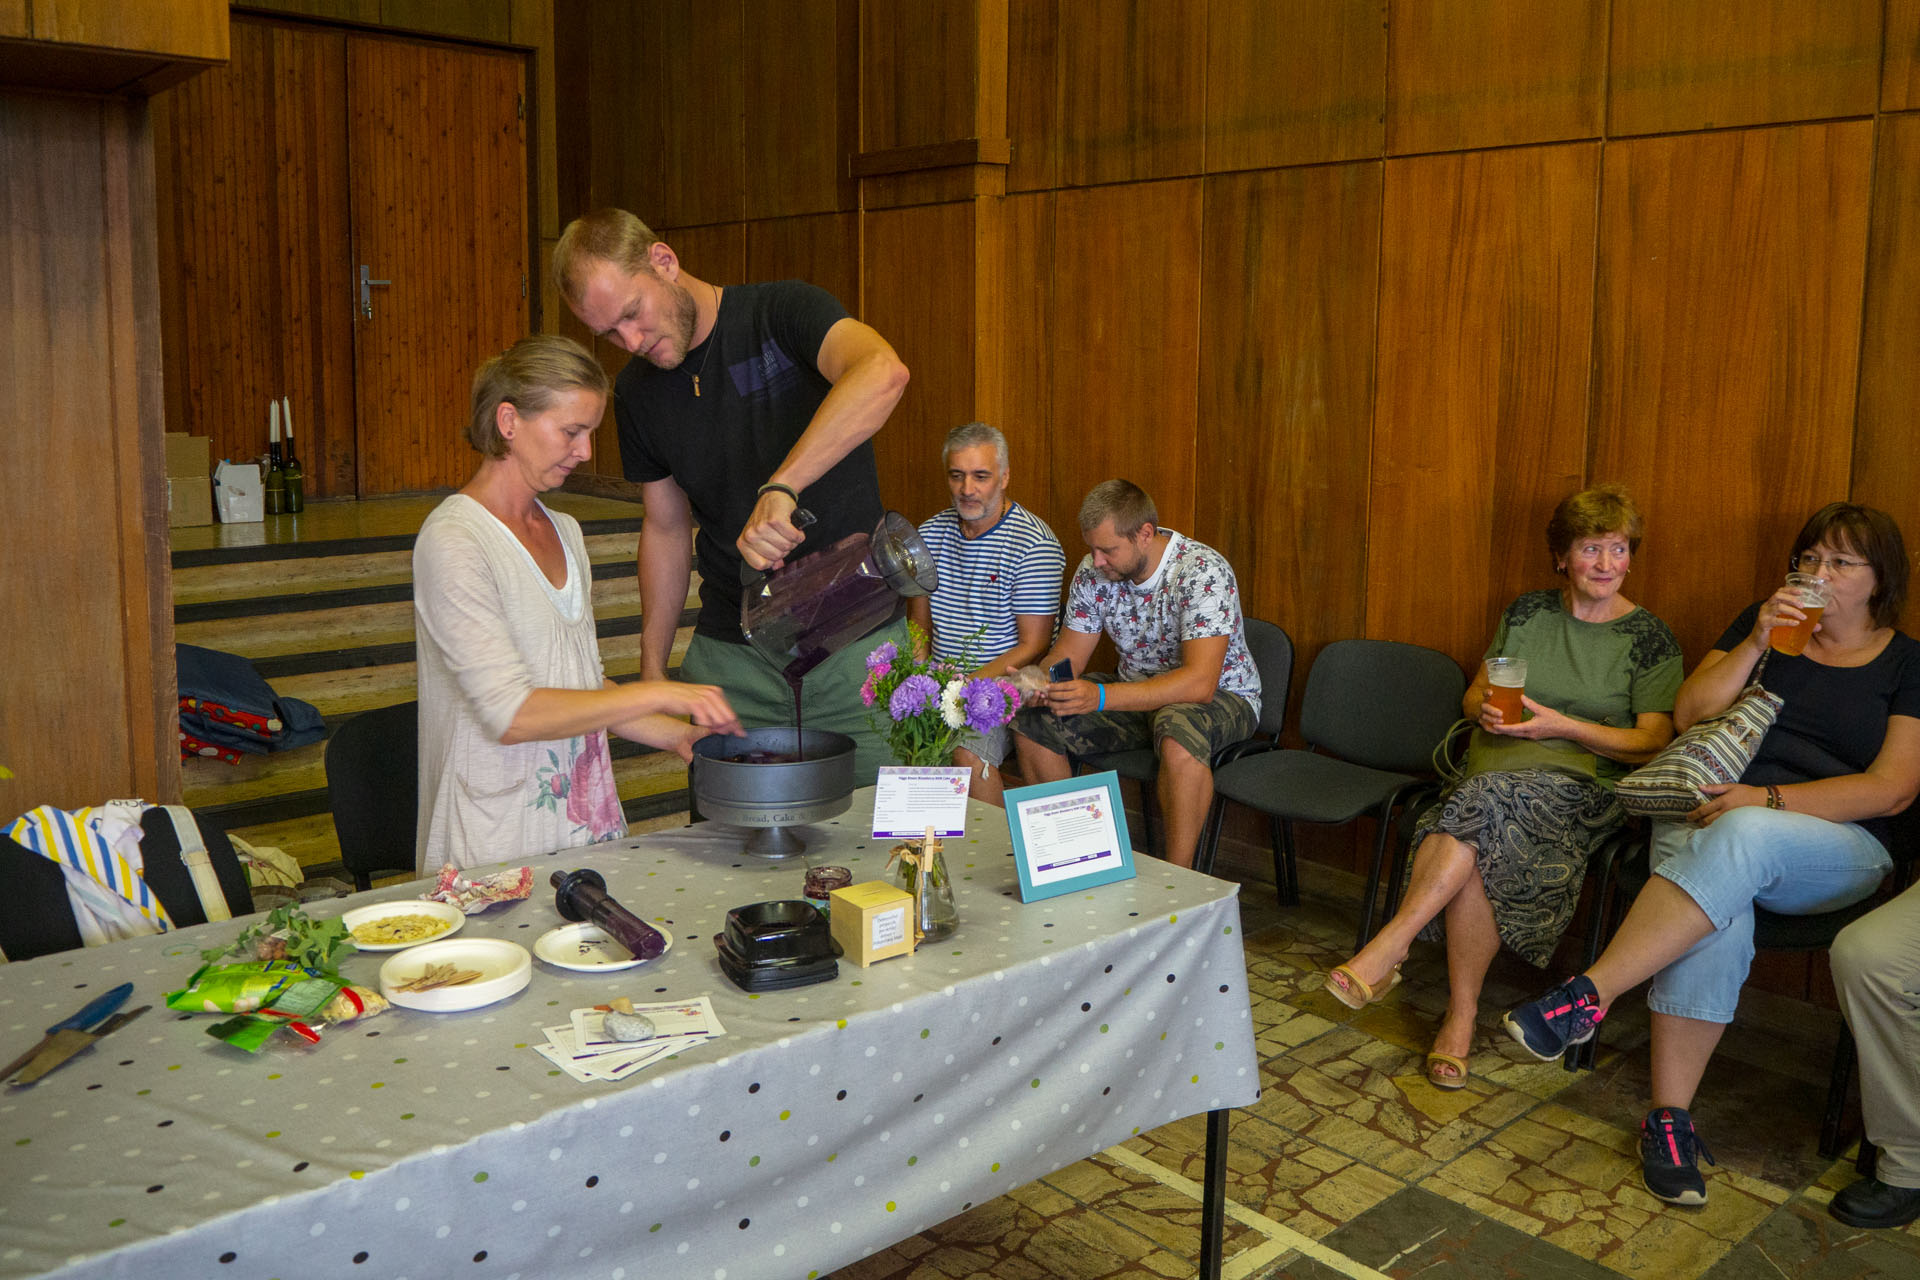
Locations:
column 1000, row 573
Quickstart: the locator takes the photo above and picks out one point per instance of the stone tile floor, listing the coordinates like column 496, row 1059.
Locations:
column 1353, row 1165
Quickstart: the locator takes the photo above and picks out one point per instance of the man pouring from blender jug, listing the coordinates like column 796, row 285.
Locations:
column 746, row 400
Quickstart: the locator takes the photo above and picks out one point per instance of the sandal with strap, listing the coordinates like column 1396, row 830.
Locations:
column 1357, row 994
column 1457, row 1079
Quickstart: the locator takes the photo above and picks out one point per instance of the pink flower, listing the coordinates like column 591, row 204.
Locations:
column 866, row 691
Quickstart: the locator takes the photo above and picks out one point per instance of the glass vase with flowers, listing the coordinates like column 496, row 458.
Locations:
column 924, row 707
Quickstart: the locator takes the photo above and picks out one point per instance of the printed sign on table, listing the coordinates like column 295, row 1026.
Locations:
column 1069, row 835
column 906, row 801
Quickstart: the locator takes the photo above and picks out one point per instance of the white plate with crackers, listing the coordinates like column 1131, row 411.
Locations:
column 460, row 973
column 389, row 926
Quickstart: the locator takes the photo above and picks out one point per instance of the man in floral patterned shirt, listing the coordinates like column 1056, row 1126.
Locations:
column 1187, row 685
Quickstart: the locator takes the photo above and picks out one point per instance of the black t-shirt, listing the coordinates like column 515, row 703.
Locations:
column 759, row 388
column 1835, row 718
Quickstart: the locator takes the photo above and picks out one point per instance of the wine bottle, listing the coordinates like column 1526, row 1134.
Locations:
column 275, row 489
column 295, row 479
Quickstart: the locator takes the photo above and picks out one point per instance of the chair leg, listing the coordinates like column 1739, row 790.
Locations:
column 1867, row 1163
column 1839, row 1085
column 1291, row 853
column 1384, row 822
column 1147, row 824
column 1286, row 878
column 1210, row 836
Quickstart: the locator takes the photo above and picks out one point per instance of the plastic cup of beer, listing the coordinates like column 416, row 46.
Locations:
column 1506, row 681
column 1811, row 594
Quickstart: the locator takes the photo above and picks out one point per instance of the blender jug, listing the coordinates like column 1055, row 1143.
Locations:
column 813, row 607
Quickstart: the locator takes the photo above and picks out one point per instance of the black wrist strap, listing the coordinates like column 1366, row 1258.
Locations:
column 774, row 486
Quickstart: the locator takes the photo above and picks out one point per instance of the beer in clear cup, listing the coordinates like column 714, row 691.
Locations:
column 1810, row 593
column 1506, row 681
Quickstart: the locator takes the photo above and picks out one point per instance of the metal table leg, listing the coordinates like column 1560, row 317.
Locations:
column 1213, row 1197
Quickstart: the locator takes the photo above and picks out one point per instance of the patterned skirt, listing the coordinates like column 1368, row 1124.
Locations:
column 1532, row 831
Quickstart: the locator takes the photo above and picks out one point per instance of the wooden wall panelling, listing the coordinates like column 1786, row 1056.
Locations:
column 1033, row 94
column 1490, row 73
column 86, row 691
column 1900, row 69
column 1289, row 279
column 823, row 250
column 364, row 12
column 803, row 116
column 1727, row 323
column 1886, row 466
column 469, row 19
column 920, row 296
column 667, row 113
column 139, row 420
column 1294, row 82
column 1132, row 89
column 316, row 266
column 1126, row 351
column 919, row 72
column 532, row 25
column 179, row 28
column 1712, row 64
column 1486, row 304
column 13, row 19
column 1018, row 398
column 440, row 208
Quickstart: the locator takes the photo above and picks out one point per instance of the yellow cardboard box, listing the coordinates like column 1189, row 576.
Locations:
column 871, row 921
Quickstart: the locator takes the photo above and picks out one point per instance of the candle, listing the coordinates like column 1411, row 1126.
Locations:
column 286, row 414
column 273, row 422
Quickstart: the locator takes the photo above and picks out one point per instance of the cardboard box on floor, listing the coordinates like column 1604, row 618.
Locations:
column 189, row 489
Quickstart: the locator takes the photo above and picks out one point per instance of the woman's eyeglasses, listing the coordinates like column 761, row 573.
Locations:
column 1809, row 562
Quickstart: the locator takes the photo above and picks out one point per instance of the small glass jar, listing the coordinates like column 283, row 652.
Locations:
column 821, row 882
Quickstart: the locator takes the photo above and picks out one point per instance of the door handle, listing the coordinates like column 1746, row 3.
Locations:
column 366, row 290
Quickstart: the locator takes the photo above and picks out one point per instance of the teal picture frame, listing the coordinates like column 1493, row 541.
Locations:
column 1041, row 878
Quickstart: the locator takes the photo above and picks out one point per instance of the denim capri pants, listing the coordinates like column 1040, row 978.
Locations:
column 1791, row 863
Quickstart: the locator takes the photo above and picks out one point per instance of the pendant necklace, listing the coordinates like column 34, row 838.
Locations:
column 710, row 341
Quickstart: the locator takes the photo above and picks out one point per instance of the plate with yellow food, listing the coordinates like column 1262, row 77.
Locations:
column 391, row 926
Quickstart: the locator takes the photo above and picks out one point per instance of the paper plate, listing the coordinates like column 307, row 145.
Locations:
column 587, row 948
column 505, row 967
column 358, row 916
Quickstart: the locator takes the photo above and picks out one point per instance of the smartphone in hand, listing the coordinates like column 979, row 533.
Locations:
column 1061, row 671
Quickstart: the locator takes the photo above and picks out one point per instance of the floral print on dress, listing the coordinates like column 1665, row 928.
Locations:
column 1194, row 595
column 584, row 784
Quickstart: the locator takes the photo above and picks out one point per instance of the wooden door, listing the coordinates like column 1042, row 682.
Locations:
column 439, row 210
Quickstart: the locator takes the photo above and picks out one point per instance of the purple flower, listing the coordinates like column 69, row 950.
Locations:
column 986, row 703
column 915, row 694
column 880, row 661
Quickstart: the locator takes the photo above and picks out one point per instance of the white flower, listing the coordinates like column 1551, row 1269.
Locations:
column 950, row 709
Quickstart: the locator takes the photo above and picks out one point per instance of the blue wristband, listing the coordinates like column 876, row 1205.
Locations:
column 1101, row 688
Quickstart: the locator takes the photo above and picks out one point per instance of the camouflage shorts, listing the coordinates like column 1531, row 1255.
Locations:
column 1200, row 728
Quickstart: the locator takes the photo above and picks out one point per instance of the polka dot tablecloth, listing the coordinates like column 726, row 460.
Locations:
column 829, row 1121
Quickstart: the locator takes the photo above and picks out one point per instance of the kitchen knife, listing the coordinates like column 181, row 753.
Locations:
column 94, row 1011
column 68, row 1042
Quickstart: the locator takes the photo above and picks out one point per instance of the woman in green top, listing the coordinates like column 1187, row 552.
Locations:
column 1501, row 858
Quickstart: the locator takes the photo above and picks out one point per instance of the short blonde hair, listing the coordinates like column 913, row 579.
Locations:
column 529, row 375
column 1121, row 501
column 605, row 235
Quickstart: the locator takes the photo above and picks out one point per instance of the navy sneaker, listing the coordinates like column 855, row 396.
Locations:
column 1566, row 1015
column 1668, row 1147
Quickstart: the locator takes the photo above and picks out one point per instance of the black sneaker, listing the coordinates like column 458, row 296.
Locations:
column 1566, row 1015
column 1668, row 1147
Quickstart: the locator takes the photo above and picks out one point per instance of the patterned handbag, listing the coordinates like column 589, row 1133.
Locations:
column 1716, row 750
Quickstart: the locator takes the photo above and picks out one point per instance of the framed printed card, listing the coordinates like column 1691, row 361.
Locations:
column 1069, row 835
